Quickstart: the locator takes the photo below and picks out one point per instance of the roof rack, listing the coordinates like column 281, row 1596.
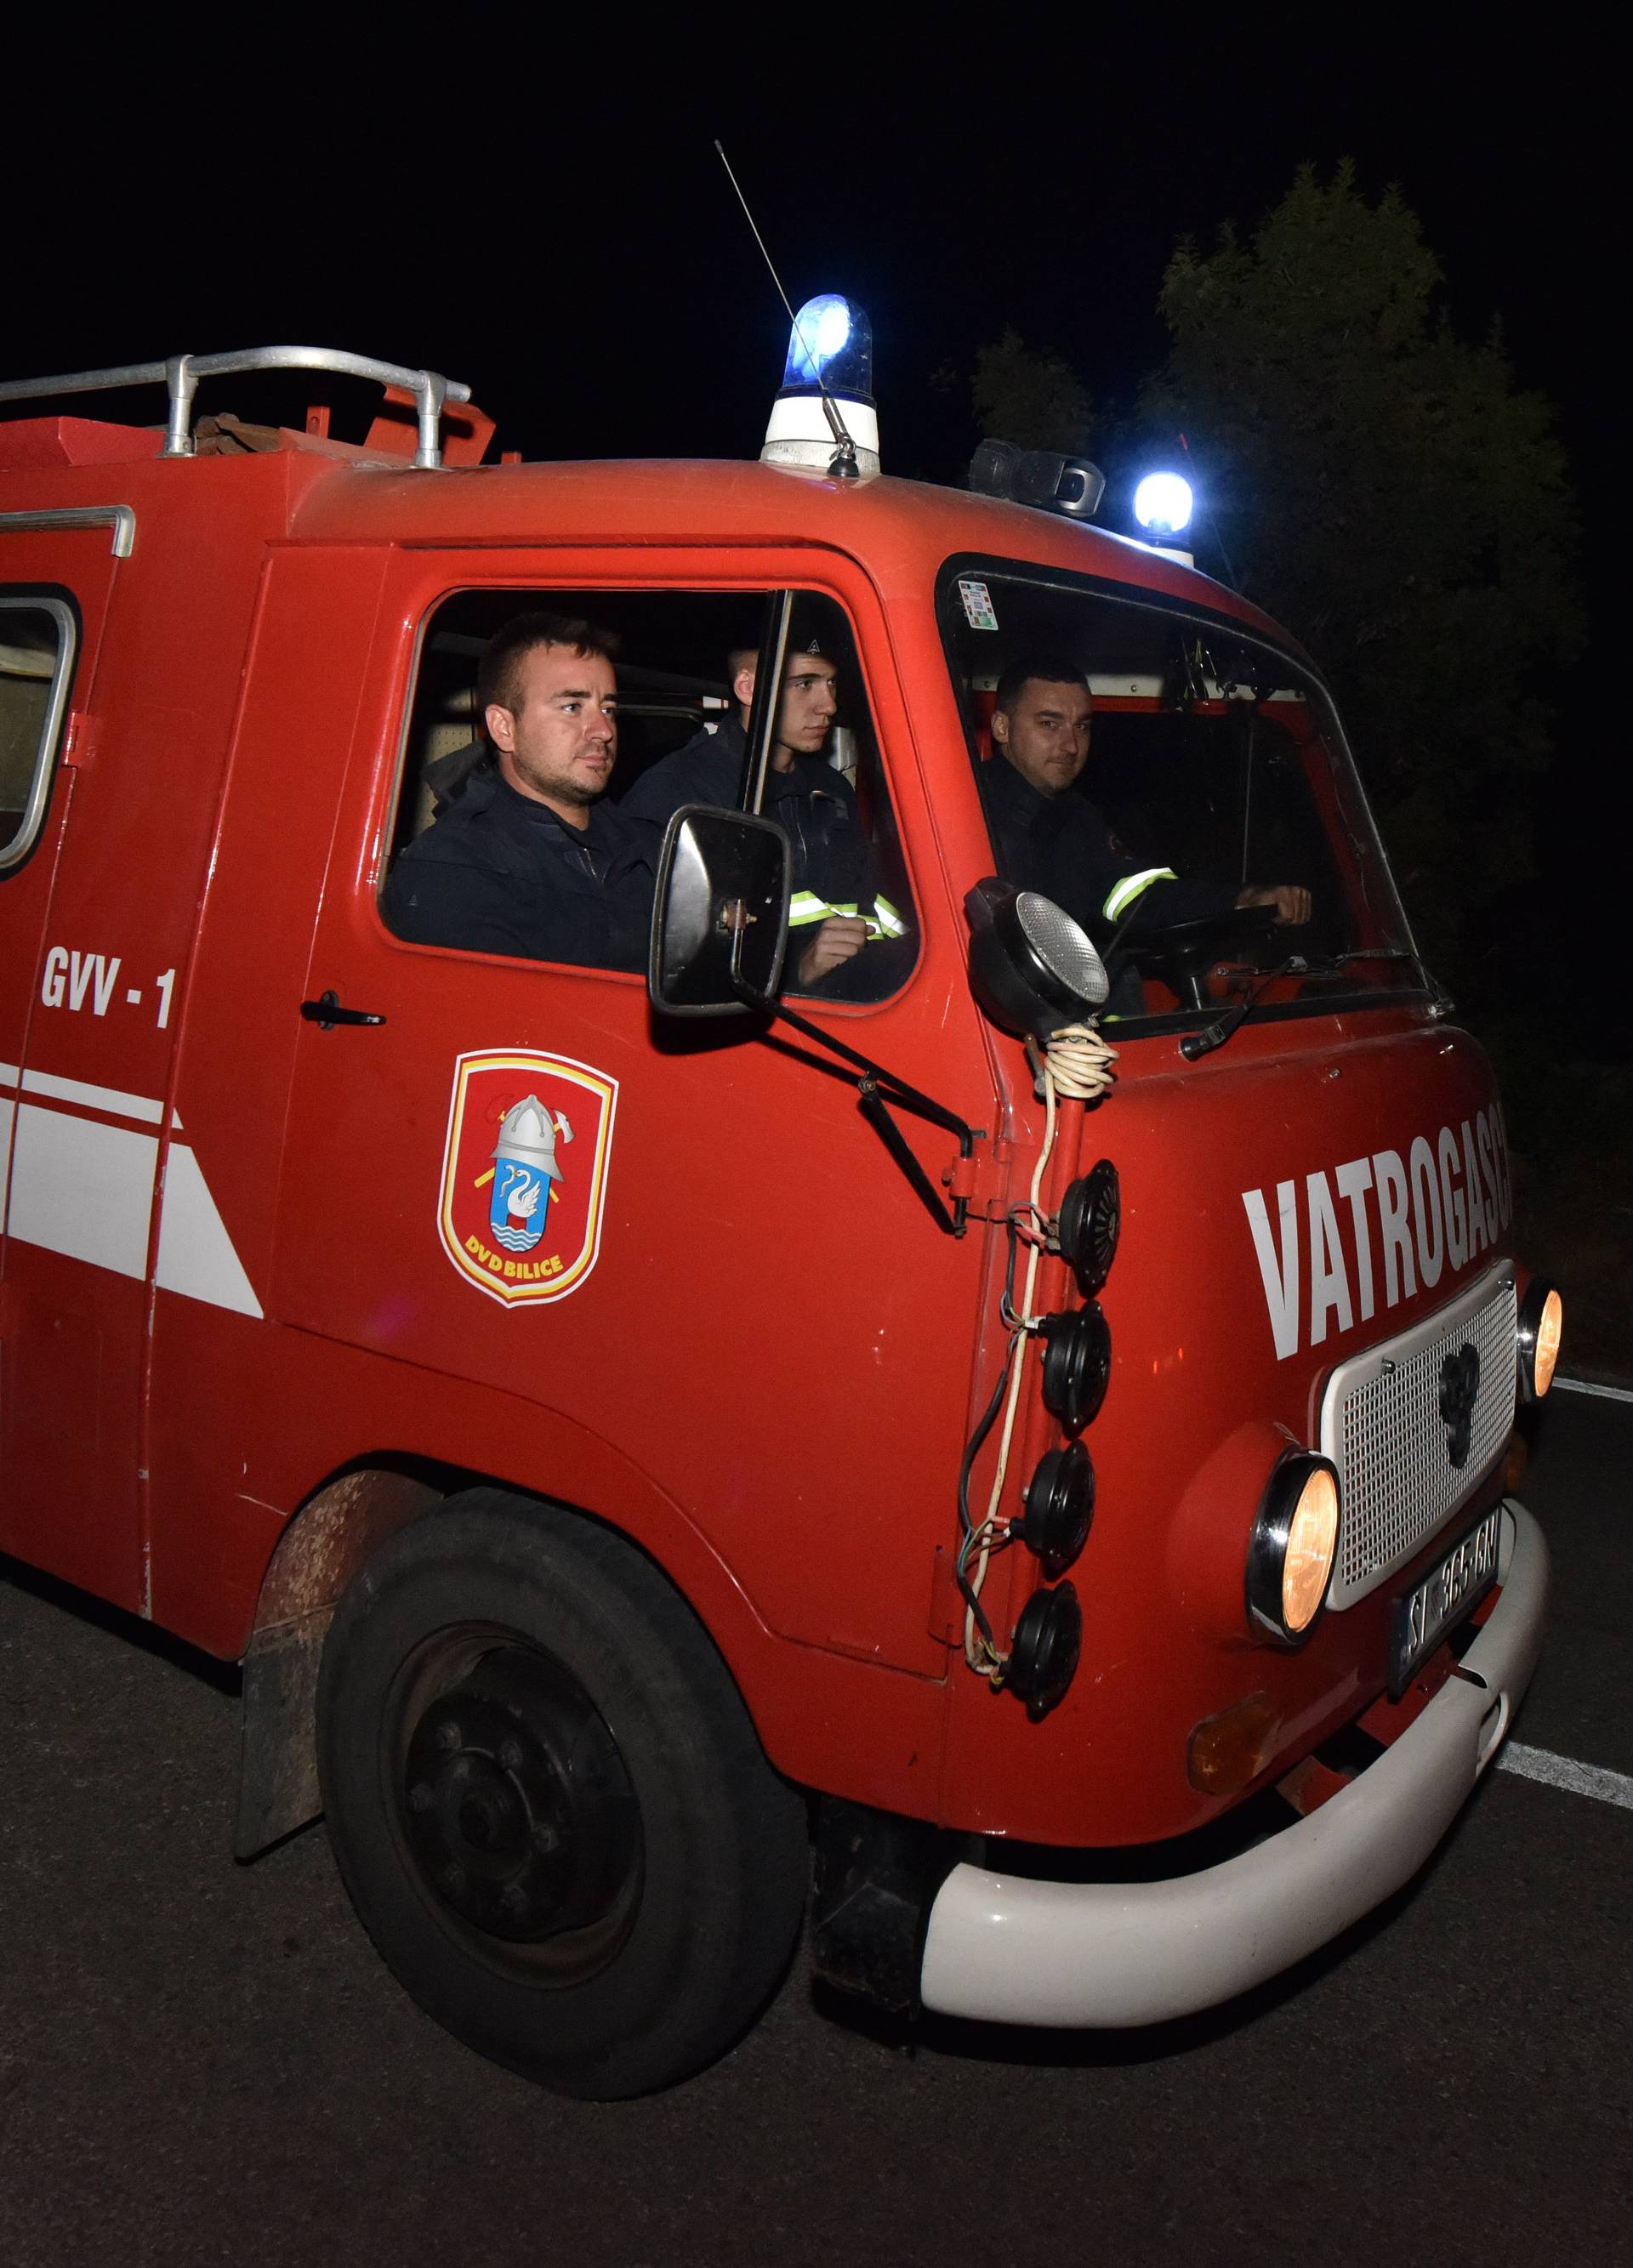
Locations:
column 180, row 374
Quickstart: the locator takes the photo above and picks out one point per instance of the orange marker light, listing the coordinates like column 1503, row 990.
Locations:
column 1229, row 1751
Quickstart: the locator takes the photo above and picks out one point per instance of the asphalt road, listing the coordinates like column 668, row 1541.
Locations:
column 202, row 2062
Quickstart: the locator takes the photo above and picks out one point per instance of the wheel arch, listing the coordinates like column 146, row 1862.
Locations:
column 329, row 1537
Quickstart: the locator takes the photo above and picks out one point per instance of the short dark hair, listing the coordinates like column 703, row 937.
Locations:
column 1051, row 669
column 499, row 672
column 748, row 657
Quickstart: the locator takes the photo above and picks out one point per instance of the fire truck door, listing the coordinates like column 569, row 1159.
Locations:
column 611, row 1303
column 360, row 1254
column 66, row 1465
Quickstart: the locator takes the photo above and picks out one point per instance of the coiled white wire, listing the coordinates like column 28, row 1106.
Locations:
column 1076, row 1067
column 1077, row 1064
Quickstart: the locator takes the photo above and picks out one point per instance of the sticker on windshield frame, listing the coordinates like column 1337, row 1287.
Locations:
column 979, row 610
column 524, row 1172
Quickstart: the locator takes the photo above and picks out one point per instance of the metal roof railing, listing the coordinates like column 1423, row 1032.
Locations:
column 180, row 375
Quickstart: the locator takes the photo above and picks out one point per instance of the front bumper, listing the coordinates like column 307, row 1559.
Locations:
column 1026, row 1952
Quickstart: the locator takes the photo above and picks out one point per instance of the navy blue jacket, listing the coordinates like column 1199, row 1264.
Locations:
column 1059, row 846
column 833, row 855
column 497, row 872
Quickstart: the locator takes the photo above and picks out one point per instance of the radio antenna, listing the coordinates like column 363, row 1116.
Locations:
column 844, row 467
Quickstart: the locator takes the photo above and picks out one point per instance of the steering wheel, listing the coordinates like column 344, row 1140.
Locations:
column 1180, row 955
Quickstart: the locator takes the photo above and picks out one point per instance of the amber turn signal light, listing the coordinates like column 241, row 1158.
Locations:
column 1228, row 1752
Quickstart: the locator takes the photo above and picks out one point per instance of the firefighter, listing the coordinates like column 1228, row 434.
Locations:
column 835, row 898
column 529, row 858
column 1055, row 843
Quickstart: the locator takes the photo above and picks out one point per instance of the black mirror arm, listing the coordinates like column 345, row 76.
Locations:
column 877, row 1090
column 951, row 1219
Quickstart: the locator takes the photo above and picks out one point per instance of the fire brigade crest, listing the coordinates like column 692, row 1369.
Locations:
column 524, row 1173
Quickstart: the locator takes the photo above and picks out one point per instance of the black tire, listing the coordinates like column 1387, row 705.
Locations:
column 547, row 1800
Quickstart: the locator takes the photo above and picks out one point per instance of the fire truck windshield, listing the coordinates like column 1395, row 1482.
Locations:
column 1182, row 789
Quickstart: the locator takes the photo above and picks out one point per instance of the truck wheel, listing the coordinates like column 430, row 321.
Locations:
column 548, row 1802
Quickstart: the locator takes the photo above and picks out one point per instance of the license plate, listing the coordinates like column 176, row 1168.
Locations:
column 1452, row 1590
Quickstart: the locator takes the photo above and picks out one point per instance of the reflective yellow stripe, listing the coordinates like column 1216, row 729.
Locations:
column 1134, row 886
column 805, row 906
column 889, row 922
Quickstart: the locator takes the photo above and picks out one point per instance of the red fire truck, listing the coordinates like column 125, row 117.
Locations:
column 650, row 1441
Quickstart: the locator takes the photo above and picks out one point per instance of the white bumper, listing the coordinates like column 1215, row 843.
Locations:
column 1015, row 1951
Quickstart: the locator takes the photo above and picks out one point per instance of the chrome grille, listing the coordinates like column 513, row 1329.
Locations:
column 1382, row 1427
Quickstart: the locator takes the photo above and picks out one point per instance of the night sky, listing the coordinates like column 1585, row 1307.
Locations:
column 535, row 220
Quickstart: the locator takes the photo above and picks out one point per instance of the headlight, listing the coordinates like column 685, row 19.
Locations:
column 1294, row 1540
column 1540, row 1319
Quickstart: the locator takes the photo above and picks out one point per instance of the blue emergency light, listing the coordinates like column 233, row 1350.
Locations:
column 831, row 345
column 1163, row 503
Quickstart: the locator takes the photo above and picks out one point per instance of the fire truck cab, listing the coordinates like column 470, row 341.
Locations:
column 638, row 1429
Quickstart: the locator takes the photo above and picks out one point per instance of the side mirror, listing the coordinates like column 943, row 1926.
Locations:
column 720, row 923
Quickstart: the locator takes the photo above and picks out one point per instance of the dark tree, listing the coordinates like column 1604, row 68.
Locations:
column 1384, row 489
column 1034, row 400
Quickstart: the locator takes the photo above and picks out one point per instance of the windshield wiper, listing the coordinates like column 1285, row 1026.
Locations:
column 1364, row 953
column 1443, row 1002
column 1215, row 1035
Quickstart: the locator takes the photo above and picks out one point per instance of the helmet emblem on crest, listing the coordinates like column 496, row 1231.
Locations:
column 517, row 1218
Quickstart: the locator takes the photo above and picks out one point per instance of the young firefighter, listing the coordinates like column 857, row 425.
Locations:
column 1055, row 843
column 835, row 896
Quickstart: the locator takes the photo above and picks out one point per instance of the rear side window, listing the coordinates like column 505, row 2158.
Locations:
column 37, row 636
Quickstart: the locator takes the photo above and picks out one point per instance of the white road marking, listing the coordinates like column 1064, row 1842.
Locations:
column 1564, row 1771
column 1586, row 1386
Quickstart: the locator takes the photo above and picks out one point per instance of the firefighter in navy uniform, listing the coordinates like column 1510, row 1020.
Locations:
column 1055, row 843
column 526, row 856
column 852, row 939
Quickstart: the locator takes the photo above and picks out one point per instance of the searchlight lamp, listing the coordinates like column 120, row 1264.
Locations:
column 831, row 353
column 1031, row 969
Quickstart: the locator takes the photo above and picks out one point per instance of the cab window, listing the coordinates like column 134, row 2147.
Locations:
column 36, row 663
column 679, row 661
